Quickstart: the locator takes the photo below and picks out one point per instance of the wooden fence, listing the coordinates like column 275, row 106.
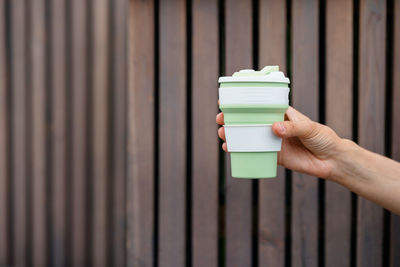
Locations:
column 109, row 153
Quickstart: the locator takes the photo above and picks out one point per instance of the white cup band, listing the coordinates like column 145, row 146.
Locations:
column 251, row 138
column 254, row 95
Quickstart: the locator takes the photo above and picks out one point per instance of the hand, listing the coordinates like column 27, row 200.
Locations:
column 307, row 146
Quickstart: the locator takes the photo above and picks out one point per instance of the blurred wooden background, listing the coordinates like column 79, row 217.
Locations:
column 108, row 147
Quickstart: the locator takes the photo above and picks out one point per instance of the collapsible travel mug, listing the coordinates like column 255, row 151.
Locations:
column 251, row 102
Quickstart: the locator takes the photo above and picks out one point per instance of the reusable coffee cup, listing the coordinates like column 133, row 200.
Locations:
column 251, row 102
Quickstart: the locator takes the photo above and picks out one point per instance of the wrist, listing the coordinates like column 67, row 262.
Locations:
column 342, row 158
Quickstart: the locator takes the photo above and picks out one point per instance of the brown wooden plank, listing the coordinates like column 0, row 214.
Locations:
column 372, row 80
column 339, row 114
column 39, row 200
column 395, row 219
column 271, row 200
column 238, row 192
column 305, row 97
column 79, row 133
column 172, row 134
column 100, row 68
column 394, row 240
column 141, row 135
column 205, row 144
column 58, row 132
column 140, row 182
column 119, row 129
column 271, row 231
column 19, row 144
column 4, row 233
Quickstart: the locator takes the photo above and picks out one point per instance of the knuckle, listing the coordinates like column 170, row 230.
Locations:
column 289, row 126
column 312, row 129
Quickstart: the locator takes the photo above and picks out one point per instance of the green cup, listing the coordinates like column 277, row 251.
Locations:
column 251, row 102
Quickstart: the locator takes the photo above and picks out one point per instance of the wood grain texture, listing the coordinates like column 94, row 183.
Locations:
column 58, row 133
column 39, row 132
column 395, row 219
column 272, row 195
column 19, row 136
column 339, row 116
column 371, row 121
column 119, row 66
column 141, row 135
column 172, row 135
column 305, row 98
column 394, row 239
column 79, row 109
column 238, row 192
column 4, row 161
column 100, row 94
column 205, row 144
column 271, row 231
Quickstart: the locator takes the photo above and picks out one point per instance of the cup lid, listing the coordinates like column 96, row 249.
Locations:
column 267, row 74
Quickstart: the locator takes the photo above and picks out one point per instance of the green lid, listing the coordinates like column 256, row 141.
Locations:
column 267, row 74
column 249, row 72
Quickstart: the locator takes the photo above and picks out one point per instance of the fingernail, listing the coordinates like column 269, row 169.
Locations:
column 281, row 127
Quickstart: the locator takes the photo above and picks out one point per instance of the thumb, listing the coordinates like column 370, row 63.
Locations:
column 302, row 129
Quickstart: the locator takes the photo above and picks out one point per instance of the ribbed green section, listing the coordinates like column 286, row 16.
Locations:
column 252, row 114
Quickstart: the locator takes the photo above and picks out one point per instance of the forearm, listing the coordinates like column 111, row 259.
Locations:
column 368, row 174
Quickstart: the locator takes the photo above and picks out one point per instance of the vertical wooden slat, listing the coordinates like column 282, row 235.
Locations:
column 58, row 132
column 19, row 151
column 141, row 135
column 100, row 130
column 3, row 142
column 305, row 96
column 271, row 201
column 119, row 129
column 339, row 106
column 205, row 145
column 238, row 192
column 79, row 133
column 173, row 139
column 395, row 219
column 39, row 200
column 371, row 121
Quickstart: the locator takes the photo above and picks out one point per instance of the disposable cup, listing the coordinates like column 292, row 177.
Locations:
column 251, row 102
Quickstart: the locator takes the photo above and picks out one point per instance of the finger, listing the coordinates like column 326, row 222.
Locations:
column 294, row 115
column 225, row 147
column 302, row 129
column 220, row 118
column 221, row 133
column 218, row 102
